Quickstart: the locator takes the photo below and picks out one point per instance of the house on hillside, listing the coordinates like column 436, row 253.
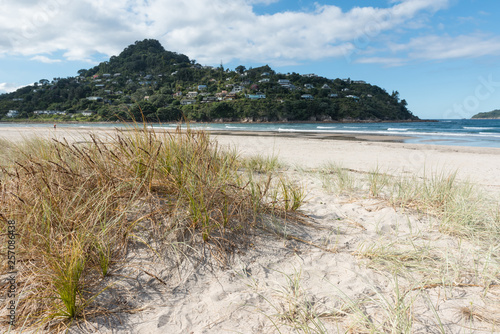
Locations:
column 237, row 89
column 289, row 86
column 307, row 97
column 220, row 96
column 95, row 98
column 230, row 96
column 187, row 102
column 209, row 99
column 49, row 112
column 256, row 96
column 12, row 113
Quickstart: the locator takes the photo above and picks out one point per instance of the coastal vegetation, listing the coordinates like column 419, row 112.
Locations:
column 79, row 207
column 145, row 79
column 495, row 114
column 414, row 257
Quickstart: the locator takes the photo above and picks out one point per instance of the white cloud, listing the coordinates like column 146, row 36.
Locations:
column 434, row 47
column 45, row 59
column 6, row 87
column 389, row 62
column 208, row 31
column 447, row 47
column 264, row 2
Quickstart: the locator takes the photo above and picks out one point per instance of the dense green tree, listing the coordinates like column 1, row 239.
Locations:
column 240, row 69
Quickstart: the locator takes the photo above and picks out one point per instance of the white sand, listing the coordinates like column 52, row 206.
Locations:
column 480, row 165
column 333, row 281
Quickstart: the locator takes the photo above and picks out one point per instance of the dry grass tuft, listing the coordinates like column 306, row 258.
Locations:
column 490, row 315
column 78, row 205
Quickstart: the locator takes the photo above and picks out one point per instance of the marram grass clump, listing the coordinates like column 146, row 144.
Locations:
column 77, row 206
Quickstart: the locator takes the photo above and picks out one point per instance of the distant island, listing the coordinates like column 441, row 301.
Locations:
column 495, row 114
column 147, row 82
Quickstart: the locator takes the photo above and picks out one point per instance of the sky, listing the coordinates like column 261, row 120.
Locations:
column 440, row 55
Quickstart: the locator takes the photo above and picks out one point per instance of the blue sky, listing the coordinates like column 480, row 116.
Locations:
column 440, row 55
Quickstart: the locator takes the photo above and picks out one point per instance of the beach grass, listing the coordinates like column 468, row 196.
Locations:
column 78, row 205
column 460, row 207
column 337, row 178
column 293, row 308
column 377, row 181
column 456, row 251
column 262, row 164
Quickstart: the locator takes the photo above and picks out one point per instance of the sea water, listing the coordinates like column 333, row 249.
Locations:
column 464, row 132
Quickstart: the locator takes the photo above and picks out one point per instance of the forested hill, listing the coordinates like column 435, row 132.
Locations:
column 495, row 114
column 167, row 86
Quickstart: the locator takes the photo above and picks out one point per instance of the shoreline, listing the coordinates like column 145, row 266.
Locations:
column 456, row 134
column 365, row 155
column 343, row 121
column 359, row 152
column 312, row 135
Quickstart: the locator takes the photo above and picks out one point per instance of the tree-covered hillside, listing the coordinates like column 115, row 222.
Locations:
column 145, row 79
column 485, row 115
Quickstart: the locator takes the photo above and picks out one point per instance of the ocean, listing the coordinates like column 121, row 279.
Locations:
column 464, row 132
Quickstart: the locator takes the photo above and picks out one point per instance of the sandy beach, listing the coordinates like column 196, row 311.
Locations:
column 358, row 152
column 353, row 263
column 365, row 153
